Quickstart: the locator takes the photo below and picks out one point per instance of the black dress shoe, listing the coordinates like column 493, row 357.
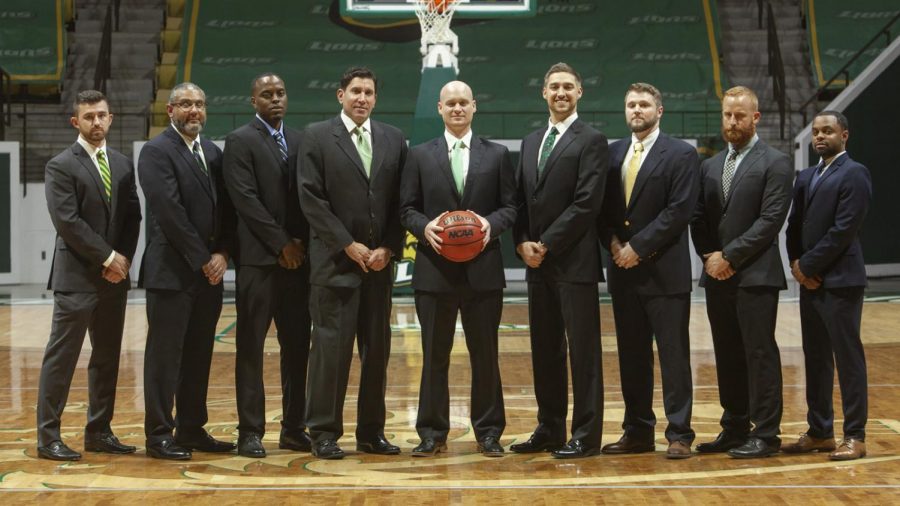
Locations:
column 167, row 449
column 754, row 448
column 327, row 449
column 630, row 444
column 250, row 445
column 490, row 447
column 203, row 442
column 538, row 442
column 429, row 448
column 296, row 441
column 57, row 451
column 575, row 449
column 378, row 446
column 106, row 443
column 723, row 442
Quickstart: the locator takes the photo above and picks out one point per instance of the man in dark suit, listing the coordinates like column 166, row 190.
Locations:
column 651, row 192
column 831, row 200
column 349, row 172
column 561, row 176
column 94, row 207
column 744, row 199
column 189, row 241
column 272, row 277
column 452, row 172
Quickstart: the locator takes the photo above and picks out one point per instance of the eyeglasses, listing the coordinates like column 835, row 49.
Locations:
column 186, row 105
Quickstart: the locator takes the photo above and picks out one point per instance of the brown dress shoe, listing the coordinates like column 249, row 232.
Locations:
column 678, row 450
column 850, row 449
column 629, row 444
column 809, row 444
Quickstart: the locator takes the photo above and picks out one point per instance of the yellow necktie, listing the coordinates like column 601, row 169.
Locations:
column 631, row 172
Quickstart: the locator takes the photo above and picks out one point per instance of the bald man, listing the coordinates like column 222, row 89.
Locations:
column 458, row 171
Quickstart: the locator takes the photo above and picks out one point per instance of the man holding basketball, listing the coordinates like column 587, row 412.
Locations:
column 562, row 175
column 452, row 172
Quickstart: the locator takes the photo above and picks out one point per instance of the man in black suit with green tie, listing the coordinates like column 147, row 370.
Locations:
column 95, row 210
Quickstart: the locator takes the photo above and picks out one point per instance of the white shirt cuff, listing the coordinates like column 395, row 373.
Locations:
column 109, row 260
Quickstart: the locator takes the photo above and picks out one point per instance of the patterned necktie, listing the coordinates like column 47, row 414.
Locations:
column 546, row 149
column 634, row 165
column 282, row 147
column 817, row 175
column 199, row 158
column 456, row 164
column 365, row 150
column 105, row 176
column 728, row 172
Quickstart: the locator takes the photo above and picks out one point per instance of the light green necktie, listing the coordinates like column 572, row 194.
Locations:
column 456, row 165
column 105, row 175
column 365, row 150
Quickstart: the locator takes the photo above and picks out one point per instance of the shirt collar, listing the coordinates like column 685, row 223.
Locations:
column 563, row 125
column 91, row 149
column 451, row 139
column 187, row 140
column 744, row 150
column 647, row 141
column 350, row 125
column 832, row 160
column 271, row 130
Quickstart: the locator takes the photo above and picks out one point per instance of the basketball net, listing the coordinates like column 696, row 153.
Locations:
column 439, row 45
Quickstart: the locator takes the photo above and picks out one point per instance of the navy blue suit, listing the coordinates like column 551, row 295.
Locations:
column 653, row 298
column 823, row 234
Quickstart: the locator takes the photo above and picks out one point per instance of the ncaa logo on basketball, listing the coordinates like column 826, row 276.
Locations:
column 459, row 234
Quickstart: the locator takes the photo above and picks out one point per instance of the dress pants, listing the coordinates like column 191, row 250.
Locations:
column 640, row 318
column 102, row 315
column 566, row 316
column 265, row 293
column 340, row 314
column 748, row 364
column 830, row 319
column 480, row 319
column 180, row 338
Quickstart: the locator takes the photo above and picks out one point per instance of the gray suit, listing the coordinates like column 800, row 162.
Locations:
column 88, row 228
column 743, row 308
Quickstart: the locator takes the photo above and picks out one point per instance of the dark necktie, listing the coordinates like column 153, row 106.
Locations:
column 546, row 149
column 282, row 147
column 199, row 158
column 728, row 172
column 817, row 175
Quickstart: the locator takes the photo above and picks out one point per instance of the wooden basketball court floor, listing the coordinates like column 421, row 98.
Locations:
column 460, row 476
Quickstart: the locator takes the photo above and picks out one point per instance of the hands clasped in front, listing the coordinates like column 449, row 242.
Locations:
column 375, row 259
column 808, row 282
column 717, row 266
column 117, row 270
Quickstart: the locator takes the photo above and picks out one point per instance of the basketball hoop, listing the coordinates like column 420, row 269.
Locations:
column 439, row 45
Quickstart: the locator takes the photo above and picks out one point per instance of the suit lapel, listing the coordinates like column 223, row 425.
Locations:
column 745, row 166
column 835, row 166
column 188, row 156
column 476, row 152
column 560, row 146
column 345, row 143
column 654, row 158
column 85, row 160
column 440, row 152
column 530, row 152
column 270, row 143
column 379, row 143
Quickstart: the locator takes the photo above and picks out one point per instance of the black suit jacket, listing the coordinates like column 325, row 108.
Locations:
column 560, row 208
column 190, row 214
column 342, row 205
column 656, row 220
column 823, row 228
column 428, row 189
column 263, row 189
column 88, row 226
column 745, row 227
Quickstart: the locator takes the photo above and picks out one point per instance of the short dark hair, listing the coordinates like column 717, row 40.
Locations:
column 561, row 67
column 360, row 72
column 89, row 97
column 841, row 119
column 261, row 77
column 645, row 88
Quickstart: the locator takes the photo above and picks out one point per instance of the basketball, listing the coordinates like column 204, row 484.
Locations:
column 462, row 236
column 439, row 5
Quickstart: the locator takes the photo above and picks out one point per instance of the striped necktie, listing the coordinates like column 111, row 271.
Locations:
column 364, row 149
column 105, row 176
column 199, row 158
column 728, row 172
column 817, row 175
column 546, row 149
column 282, row 147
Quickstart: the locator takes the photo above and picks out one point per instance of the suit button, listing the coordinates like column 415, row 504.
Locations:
column 534, row 199
column 627, row 223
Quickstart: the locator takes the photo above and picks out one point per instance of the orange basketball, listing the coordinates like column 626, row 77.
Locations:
column 462, row 236
column 439, row 5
